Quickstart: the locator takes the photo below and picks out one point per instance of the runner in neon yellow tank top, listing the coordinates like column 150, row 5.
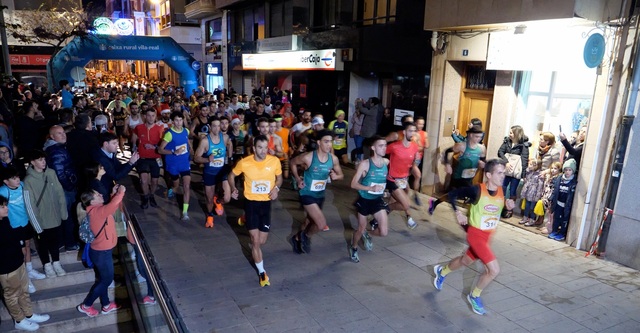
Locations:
column 484, row 214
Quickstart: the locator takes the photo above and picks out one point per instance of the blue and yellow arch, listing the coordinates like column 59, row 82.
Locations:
column 80, row 51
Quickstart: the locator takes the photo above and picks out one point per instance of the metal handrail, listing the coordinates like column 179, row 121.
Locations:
column 173, row 318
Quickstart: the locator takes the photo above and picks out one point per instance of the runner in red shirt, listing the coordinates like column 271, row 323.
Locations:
column 146, row 137
column 402, row 158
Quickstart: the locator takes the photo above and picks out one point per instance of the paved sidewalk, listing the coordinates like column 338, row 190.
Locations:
column 544, row 285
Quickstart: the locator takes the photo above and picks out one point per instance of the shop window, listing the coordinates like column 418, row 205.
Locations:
column 332, row 14
column 300, row 17
column 214, row 30
column 378, row 11
column 280, row 18
column 548, row 101
column 478, row 78
column 248, row 24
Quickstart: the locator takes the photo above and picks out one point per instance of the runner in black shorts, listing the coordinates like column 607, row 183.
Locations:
column 370, row 181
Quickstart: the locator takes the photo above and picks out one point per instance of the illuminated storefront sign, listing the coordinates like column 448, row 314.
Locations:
column 103, row 26
column 29, row 59
column 214, row 68
column 299, row 60
column 124, row 27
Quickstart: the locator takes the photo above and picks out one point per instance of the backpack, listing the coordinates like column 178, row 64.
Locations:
column 85, row 233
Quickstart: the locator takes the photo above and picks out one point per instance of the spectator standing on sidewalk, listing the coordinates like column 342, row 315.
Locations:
column 487, row 201
column 13, row 275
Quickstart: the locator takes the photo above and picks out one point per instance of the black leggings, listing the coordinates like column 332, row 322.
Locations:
column 48, row 243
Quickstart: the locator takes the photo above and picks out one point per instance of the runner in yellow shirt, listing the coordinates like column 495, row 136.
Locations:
column 262, row 181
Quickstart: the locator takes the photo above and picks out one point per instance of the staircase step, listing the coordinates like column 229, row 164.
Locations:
column 119, row 327
column 76, row 274
column 65, row 297
column 70, row 320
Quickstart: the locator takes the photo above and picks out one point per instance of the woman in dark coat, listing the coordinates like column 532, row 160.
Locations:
column 515, row 144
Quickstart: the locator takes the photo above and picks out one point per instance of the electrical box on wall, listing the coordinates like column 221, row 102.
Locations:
column 471, row 49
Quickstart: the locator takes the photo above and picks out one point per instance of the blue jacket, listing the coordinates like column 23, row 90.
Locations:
column 59, row 160
column 114, row 170
column 67, row 98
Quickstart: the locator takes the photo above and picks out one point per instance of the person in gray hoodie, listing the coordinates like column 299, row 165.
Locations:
column 48, row 208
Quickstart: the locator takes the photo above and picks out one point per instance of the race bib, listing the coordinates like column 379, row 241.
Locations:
column 119, row 122
column 159, row 161
column 469, row 173
column 489, row 222
column 337, row 142
column 401, row 183
column 217, row 162
column 260, row 187
column 181, row 149
column 384, row 185
column 318, row 185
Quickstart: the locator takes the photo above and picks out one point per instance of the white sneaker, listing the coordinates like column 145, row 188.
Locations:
column 39, row 318
column 185, row 217
column 32, row 288
column 48, row 270
column 26, row 325
column 58, row 269
column 411, row 223
column 35, row 275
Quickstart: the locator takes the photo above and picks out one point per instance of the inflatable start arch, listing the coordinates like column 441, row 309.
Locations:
column 80, row 51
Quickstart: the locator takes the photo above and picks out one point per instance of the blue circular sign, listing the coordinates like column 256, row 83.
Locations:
column 594, row 50
column 195, row 65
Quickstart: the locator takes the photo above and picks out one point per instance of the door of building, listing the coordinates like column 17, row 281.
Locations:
column 476, row 101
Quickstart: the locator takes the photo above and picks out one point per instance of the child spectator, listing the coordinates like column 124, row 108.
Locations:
column 562, row 199
column 13, row 275
column 532, row 192
column 13, row 191
column 103, row 227
column 550, row 178
column 48, row 208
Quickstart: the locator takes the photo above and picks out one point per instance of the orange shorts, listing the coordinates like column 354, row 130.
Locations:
column 478, row 241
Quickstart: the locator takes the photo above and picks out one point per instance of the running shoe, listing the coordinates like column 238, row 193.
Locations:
column 326, row 228
column 417, row 200
column 170, row 193
column 432, row 206
column 439, row 279
column 38, row 318
column 353, row 254
column 373, row 224
column 411, row 223
column 305, row 241
column 110, row 308
column 241, row 220
column 476, row 304
column 148, row 300
column 185, row 217
column 209, row 223
column 26, row 325
column 368, row 242
column 295, row 243
column 88, row 310
column 218, row 206
column 553, row 235
column 264, row 279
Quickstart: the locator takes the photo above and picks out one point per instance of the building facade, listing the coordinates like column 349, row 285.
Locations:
column 531, row 64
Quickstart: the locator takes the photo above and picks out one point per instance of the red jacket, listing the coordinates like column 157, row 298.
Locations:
column 98, row 214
